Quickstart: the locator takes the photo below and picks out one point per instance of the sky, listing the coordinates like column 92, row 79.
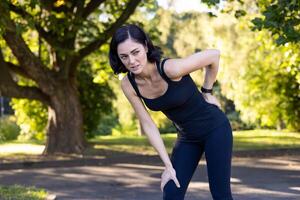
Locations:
column 185, row 5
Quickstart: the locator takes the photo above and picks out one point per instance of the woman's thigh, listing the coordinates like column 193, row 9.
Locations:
column 218, row 152
column 185, row 158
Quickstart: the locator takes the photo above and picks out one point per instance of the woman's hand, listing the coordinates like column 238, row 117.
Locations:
column 168, row 174
column 209, row 98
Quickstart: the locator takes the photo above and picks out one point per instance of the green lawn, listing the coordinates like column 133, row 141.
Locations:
column 265, row 139
column 243, row 140
column 18, row 192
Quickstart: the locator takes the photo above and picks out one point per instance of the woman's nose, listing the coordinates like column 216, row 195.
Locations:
column 131, row 59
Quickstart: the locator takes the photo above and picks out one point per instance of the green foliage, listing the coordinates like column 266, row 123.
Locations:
column 127, row 122
column 9, row 130
column 263, row 80
column 18, row 192
column 107, row 124
column 281, row 18
column 229, row 109
column 31, row 117
column 96, row 100
column 211, row 2
column 271, row 78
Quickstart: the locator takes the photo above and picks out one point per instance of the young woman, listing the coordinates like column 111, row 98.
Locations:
column 165, row 85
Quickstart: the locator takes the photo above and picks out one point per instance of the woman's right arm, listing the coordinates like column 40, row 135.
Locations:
column 151, row 132
column 146, row 121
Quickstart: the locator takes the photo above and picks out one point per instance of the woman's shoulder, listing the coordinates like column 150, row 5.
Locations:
column 124, row 82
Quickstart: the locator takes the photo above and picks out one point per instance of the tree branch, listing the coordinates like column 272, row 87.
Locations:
column 17, row 69
column 131, row 6
column 16, row 91
column 26, row 58
column 90, row 7
column 9, row 88
column 50, row 38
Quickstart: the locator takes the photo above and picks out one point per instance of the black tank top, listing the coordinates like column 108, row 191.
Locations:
column 184, row 105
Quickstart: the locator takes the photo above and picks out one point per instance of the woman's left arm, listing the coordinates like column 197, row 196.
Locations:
column 208, row 59
column 176, row 68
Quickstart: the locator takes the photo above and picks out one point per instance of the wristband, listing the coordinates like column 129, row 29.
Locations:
column 204, row 90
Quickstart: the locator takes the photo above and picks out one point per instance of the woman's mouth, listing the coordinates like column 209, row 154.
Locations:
column 135, row 67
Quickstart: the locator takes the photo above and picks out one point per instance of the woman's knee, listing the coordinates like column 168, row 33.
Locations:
column 172, row 192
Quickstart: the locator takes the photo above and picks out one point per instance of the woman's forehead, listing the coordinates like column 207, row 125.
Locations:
column 127, row 46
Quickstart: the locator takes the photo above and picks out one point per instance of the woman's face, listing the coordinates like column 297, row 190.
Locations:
column 133, row 55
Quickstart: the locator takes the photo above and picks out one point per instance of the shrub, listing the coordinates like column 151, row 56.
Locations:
column 9, row 130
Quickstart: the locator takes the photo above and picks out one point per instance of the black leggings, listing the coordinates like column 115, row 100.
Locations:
column 186, row 156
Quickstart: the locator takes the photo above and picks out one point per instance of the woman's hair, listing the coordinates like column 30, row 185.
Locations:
column 138, row 35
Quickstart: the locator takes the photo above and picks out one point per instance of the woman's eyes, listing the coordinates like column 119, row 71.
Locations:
column 133, row 53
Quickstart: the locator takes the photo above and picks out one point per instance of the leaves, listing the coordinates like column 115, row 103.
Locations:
column 281, row 18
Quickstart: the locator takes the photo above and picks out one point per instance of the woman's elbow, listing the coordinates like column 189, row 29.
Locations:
column 216, row 53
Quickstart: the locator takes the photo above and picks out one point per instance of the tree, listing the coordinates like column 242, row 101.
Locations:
column 70, row 31
column 280, row 17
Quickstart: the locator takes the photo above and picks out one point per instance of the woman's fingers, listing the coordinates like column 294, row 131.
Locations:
column 212, row 100
column 176, row 182
column 174, row 178
column 168, row 174
column 163, row 183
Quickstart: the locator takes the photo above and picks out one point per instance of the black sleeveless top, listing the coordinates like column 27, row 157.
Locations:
column 184, row 105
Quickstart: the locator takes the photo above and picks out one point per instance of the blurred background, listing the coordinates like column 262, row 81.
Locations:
column 257, row 84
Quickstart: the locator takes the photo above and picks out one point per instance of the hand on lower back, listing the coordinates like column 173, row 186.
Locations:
column 209, row 98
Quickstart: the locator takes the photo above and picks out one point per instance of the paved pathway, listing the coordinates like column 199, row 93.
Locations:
column 137, row 178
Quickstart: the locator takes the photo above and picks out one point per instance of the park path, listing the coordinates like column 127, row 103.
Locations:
column 136, row 177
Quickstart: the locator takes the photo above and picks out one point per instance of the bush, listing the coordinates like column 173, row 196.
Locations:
column 9, row 130
column 31, row 116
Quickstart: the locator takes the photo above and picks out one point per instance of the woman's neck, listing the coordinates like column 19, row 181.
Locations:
column 148, row 72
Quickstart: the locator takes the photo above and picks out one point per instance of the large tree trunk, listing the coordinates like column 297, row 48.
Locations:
column 65, row 122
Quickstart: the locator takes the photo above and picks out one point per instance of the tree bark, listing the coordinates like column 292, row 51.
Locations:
column 65, row 123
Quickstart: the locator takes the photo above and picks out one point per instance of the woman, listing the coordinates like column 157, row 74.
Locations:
column 165, row 85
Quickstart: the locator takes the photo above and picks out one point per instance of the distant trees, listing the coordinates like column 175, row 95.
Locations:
column 268, row 88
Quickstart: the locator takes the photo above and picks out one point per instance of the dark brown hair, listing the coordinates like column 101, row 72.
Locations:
column 137, row 34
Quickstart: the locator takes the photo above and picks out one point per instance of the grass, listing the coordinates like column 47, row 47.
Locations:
column 130, row 144
column 18, row 192
column 265, row 139
column 243, row 140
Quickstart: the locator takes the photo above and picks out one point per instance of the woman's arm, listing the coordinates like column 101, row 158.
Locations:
column 151, row 131
column 176, row 68
column 146, row 121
